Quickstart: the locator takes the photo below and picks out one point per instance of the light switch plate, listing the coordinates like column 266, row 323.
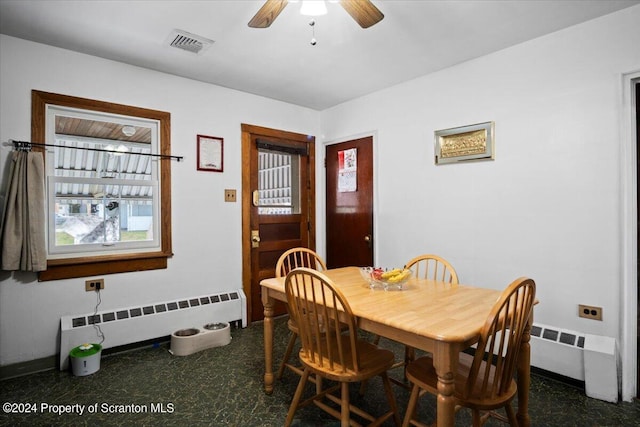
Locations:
column 229, row 195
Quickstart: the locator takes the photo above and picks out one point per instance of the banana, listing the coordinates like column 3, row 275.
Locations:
column 390, row 273
column 397, row 275
column 394, row 279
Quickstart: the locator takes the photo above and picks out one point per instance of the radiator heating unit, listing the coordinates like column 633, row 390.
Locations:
column 130, row 325
column 583, row 357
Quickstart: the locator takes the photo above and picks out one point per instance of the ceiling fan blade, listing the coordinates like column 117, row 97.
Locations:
column 363, row 11
column 267, row 13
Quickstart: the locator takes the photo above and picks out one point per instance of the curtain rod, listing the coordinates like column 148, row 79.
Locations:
column 28, row 145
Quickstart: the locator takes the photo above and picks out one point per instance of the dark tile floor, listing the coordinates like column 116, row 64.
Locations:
column 223, row 387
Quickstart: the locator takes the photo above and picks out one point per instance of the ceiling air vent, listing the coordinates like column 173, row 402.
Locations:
column 189, row 42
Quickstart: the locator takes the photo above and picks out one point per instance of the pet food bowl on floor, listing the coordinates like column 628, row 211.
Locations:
column 188, row 341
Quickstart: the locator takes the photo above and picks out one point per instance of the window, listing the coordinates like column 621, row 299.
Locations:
column 102, row 185
column 108, row 190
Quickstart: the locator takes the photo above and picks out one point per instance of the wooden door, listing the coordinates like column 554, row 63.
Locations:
column 278, row 205
column 349, row 212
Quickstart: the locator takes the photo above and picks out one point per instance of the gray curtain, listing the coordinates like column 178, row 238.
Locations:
column 22, row 231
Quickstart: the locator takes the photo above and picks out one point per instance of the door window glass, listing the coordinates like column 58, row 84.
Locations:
column 278, row 183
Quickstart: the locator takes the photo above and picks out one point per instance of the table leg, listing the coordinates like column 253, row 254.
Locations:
column 524, row 376
column 445, row 361
column 268, row 303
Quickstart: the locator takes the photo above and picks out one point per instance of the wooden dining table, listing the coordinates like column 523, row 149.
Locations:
column 433, row 316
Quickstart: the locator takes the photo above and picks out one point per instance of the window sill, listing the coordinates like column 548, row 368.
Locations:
column 96, row 266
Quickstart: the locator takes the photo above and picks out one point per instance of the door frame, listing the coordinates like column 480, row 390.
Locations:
column 321, row 190
column 248, row 131
column 629, row 294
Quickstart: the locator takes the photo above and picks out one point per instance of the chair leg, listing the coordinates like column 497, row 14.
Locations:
column 411, row 406
column 287, row 354
column 409, row 355
column 476, row 419
column 345, row 413
column 511, row 414
column 376, row 339
column 296, row 398
column 363, row 388
column 391, row 398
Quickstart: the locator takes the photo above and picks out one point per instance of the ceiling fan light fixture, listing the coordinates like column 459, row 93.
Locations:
column 313, row 8
column 362, row 11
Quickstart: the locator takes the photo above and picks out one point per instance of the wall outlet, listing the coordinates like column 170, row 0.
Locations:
column 590, row 312
column 94, row 285
column 229, row 195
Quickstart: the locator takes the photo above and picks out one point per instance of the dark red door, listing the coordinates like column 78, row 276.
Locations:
column 349, row 198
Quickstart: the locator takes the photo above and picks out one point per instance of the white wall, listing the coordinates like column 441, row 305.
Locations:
column 549, row 206
column 206, row 230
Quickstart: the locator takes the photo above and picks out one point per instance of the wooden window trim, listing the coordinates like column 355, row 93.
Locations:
column 65, row 268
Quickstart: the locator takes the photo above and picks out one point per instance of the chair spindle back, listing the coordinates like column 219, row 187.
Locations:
column 326, row 324
column 433, row 267
column 298, row 257
column 493, row 369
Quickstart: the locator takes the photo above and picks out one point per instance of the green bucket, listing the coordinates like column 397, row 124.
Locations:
column 85, row 359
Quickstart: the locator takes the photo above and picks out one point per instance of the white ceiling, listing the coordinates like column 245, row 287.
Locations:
column 414, row 38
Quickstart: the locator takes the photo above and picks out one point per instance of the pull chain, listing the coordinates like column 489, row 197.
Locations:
column 312, row 23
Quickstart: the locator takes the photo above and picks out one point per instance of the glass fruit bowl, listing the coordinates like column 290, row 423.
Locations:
column 367, row 275
column 389, row 280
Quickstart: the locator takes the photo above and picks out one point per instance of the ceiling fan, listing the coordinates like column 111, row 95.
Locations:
column 363, row 11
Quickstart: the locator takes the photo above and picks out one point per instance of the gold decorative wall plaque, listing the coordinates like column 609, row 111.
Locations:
column 466, row 143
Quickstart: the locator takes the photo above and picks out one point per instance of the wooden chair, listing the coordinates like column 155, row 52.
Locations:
column 331, row 349
column 431, row 267
column 294, row 258
column 484, row 381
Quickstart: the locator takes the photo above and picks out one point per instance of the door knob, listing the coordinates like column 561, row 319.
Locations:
column 255, row 238
column 369, row 239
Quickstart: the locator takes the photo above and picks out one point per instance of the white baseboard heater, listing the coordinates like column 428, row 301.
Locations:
column 558, row 350
column 584, row 357
column 150, row 321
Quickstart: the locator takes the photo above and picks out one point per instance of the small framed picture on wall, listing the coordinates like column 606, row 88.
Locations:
column 210, row 153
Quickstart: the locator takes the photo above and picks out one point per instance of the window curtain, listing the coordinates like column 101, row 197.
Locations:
column 22, row 231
